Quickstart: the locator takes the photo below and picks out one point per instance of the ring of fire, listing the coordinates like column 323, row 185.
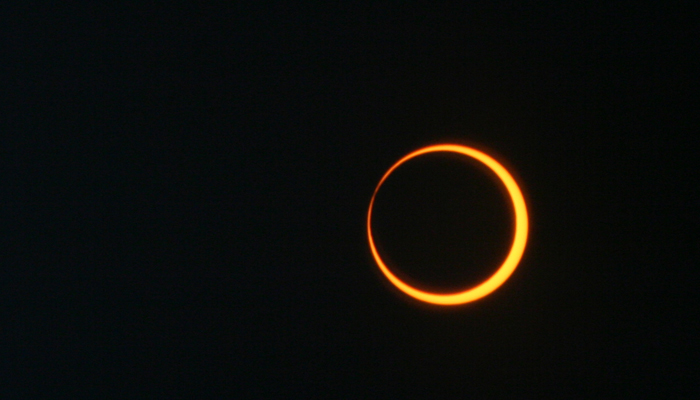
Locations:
column 516, row 250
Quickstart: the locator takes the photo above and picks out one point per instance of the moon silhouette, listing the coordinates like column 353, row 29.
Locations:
column 516, row 250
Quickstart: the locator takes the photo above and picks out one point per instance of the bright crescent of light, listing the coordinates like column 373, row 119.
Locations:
column 516, row 251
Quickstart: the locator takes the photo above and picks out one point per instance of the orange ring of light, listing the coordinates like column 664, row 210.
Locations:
column 516, row 251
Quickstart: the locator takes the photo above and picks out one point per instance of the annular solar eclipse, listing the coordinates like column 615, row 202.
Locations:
column 511, row 260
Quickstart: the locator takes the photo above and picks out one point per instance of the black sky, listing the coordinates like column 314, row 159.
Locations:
column 185, row 187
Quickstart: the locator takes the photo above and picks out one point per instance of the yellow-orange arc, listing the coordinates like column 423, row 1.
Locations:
column 516, row 250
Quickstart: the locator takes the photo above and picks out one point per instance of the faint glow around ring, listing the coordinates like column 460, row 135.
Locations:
column 516, row 250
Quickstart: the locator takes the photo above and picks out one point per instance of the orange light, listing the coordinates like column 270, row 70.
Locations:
column 516, row 251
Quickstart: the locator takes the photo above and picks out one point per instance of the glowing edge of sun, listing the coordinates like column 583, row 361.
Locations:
column 516, row 251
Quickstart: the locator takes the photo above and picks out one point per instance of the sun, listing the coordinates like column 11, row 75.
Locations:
column 516, row 250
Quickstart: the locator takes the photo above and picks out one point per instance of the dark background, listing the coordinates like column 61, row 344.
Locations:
column 184, row 193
